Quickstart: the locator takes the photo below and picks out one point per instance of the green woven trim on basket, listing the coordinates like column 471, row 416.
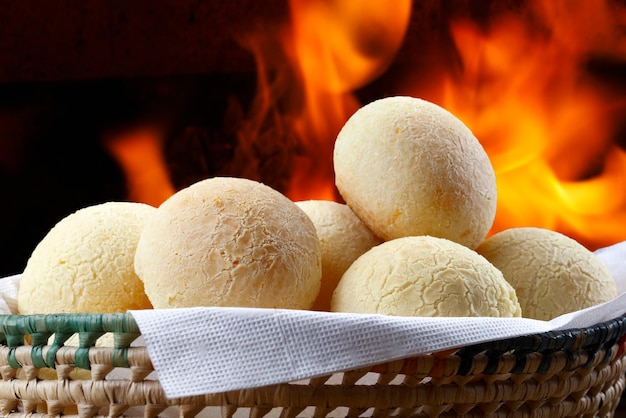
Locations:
column 12, row 329
column 88, row 326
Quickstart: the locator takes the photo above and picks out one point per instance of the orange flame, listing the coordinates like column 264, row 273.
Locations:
column 139, row 153
column 546, row 123
column 337, row 47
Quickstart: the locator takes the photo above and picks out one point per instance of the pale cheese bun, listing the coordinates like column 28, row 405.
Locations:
column 425, row 276
column 343, row 238
column 85, row 263
column 229, row 241
column 409, row 167
column 552, row 273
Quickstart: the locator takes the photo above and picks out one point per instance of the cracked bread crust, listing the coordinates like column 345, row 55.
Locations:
column 424, row 276
column 343, row 238
column 552, row 273
column 85, row 263
column 409, row 167
column 229, row 242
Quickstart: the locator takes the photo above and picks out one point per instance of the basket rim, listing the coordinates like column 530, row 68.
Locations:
column 13, row 327
column 598, row 344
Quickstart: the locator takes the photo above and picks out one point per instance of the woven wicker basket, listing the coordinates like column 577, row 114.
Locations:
column 578, row 372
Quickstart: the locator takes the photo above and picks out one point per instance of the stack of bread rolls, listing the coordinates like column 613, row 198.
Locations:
column 419, row 178
column 410, row 238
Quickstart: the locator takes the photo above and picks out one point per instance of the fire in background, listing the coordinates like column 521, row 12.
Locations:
column 539, row 82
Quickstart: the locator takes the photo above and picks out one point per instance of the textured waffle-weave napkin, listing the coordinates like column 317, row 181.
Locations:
column 209, row 350
column 239, row 348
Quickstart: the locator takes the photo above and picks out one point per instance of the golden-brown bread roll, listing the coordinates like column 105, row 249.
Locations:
column 424, row 276
column 343, row 238
column 551, row 273
column 229, row 242
column 85, row 263
column 409, row 167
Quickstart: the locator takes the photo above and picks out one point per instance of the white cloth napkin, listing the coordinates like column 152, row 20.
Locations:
column 8, row 294
column 210, row 350
column 614, row 257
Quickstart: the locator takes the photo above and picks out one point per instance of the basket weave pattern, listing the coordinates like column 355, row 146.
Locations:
column 573, row 373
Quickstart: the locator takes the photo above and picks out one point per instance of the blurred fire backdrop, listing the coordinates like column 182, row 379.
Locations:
column 129, row 100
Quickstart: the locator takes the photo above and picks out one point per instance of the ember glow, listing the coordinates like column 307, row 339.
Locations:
column 336, row 47
column 139, row 153
column 546, row 123
column 521, row 82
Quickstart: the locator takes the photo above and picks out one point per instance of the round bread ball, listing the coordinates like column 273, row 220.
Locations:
column 424, row 276
column 409, row 167
column 229, row 242
column 85, row 263
column 343, row 238
column 551, row 273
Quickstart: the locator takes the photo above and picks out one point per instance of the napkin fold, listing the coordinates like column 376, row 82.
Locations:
column 241, row 348
column 210, row 350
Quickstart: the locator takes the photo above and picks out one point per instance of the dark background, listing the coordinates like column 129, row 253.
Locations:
column 73, row 72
